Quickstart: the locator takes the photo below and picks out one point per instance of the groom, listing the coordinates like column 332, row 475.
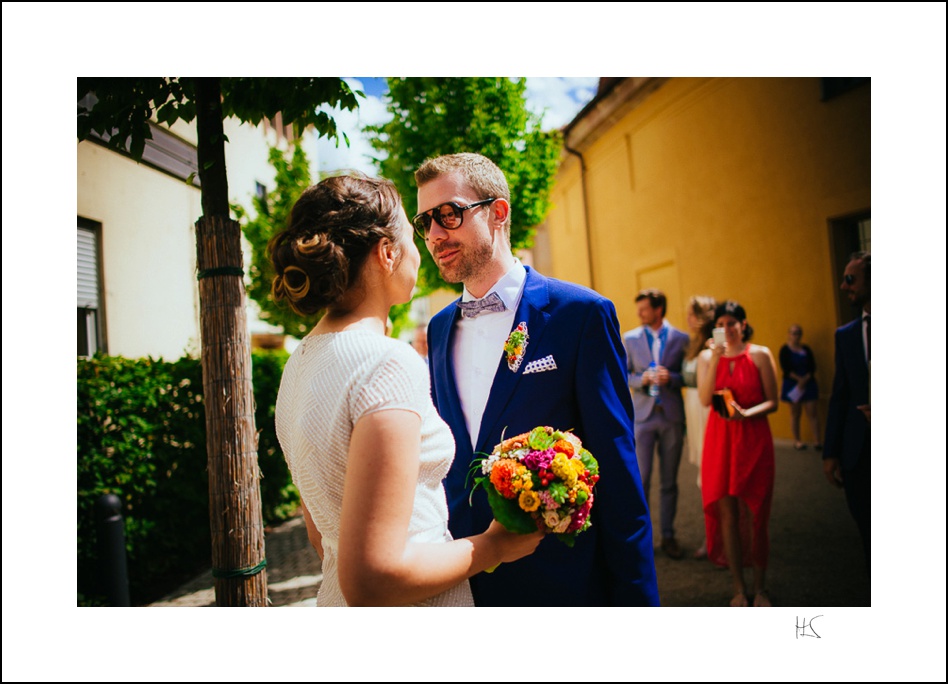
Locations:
column 571, row 375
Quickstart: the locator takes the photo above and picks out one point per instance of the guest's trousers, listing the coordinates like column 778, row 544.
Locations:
column 858, row 486
column 657, row 433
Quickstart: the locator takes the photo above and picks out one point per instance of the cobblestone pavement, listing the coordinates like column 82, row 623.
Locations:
column 815, row 553
column 293, row 572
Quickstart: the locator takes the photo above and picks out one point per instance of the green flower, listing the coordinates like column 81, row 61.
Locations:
column 558, row 491
column 591, row 464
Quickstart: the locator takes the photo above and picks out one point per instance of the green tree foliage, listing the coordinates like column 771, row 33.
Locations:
column 434, row 116
column 124, row 106
column 272, row 213
column 119, row 111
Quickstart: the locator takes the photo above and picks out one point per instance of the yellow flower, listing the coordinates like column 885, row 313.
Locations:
column 529, row 501
column 564, row 469
column 560, row 465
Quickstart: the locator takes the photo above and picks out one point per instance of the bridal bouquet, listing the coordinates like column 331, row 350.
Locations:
column 540, row 480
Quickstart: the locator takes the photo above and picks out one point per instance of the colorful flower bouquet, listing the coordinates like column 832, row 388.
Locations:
column 540, row 480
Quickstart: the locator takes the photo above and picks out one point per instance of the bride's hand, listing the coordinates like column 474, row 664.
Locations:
column 512, row 545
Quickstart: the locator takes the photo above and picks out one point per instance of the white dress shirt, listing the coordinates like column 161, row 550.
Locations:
column 479, row 347
column 657, row 342
column 865, row 336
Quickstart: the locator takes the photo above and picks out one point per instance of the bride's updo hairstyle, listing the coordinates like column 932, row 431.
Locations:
column 332, row 228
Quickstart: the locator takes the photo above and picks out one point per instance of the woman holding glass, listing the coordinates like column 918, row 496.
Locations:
column 737, row 470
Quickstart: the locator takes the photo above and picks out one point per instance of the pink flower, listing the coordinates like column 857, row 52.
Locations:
column 538, row 460
column 549, row 503
column 579, row 517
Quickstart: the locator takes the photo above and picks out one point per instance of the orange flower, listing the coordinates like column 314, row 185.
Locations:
column 501, row 476
column 564, row 447
column 514, row 442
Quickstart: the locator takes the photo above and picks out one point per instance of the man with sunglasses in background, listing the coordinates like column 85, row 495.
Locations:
column 569, row 374
column 846, row 445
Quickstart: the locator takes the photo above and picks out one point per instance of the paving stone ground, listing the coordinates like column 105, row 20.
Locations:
column 815, row 558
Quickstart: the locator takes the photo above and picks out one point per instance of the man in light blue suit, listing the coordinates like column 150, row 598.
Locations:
column 655, row 352
column 570, row 375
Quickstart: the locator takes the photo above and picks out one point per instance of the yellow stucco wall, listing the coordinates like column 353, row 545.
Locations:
column 721, row 187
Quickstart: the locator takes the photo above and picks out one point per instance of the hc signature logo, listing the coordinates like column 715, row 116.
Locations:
column 803, row 625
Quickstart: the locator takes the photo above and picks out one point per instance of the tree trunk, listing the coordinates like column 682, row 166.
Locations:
column 237, row 540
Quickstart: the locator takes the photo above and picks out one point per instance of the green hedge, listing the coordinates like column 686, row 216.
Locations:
column 141, row 435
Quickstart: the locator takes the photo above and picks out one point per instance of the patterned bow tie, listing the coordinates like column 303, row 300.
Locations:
column 488, row 304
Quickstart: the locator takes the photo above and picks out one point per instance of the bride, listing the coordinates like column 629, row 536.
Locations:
column 363, row 441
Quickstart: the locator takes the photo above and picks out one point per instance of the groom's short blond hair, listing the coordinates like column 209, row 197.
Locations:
column 482, row 175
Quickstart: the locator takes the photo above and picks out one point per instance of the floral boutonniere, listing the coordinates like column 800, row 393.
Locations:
column 516, row 345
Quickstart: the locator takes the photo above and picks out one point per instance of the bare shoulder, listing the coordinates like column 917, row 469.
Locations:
column 704, row 358
column 760, row 354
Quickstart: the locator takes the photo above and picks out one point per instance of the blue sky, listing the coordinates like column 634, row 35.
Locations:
column 557, row 99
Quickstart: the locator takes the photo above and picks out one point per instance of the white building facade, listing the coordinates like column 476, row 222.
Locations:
column 137, row 290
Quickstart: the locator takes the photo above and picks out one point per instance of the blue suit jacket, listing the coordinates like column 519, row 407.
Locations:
column 847, row 429
column 639, row 356
column 612, row 562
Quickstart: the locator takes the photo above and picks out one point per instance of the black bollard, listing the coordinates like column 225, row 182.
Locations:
column 113, row 570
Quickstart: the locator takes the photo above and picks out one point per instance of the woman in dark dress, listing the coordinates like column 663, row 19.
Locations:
column 799, row 385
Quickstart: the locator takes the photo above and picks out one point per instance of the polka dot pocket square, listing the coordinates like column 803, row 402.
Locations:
column 540, row 365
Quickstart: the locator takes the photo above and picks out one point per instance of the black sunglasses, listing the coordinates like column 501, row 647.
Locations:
column 849, row 279
column 449, row 216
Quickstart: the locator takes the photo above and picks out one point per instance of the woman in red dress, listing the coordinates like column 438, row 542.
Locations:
column 737, row 470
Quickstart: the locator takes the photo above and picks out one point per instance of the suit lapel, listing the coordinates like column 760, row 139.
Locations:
column 450, row 407
column 530, row 311
column 674, row 345
column 645, row 350
column 857, row 348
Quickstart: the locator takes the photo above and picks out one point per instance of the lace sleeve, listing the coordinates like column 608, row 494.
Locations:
column 398, row 381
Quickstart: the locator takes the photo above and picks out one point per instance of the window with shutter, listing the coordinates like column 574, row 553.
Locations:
column 88, row 300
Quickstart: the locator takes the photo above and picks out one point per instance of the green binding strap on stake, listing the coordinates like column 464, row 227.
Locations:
column 242, row 572
column 220, row 271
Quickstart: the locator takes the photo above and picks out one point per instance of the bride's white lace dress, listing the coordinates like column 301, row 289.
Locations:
column 329, row 382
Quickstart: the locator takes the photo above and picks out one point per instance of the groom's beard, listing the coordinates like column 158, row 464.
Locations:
column 471, row 260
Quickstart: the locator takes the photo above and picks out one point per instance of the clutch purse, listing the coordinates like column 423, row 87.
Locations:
column 721, row 402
